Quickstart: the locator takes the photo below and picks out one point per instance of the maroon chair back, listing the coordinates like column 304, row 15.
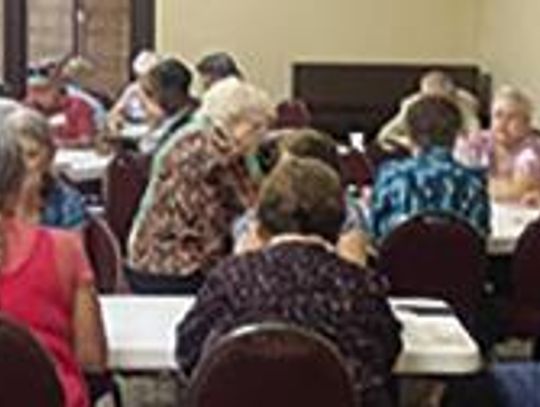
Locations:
column 125, row 183
column 436, row 255
column 525, row 277
column 27, row 374
column 269, row 365
column 356, row 168
column 292, row 114
column 104, row 254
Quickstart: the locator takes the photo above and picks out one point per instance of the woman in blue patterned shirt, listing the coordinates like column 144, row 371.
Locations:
column 45, row 198
column 431, row 180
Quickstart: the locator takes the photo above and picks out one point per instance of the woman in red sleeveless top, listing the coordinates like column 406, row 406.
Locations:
column 46, row 283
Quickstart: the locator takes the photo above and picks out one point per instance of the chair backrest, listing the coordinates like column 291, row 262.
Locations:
column 292, row 113
column 525, row 269
column 268, row 365
column 125, row 183
column 104, row 254
column 436, row 255
column 27, row 374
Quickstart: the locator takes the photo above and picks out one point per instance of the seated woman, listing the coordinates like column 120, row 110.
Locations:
column 353, row 241
column 298, row 278
column 45, row 199
column 133, row 105
column 71, row 118
column 510, row 150
column 199, row 184
column 46, row 283
column 431, row 180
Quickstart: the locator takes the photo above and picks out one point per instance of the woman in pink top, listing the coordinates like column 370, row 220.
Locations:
column 510, row 150
column 46, row 283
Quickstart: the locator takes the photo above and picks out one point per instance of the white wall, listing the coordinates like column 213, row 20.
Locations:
column 508, row 43
column 268, row 36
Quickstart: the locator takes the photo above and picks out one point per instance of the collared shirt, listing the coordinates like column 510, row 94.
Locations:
column 198, row 188
column 167, row 129
column 431, row 181
column 306, row 284
column 63, row 206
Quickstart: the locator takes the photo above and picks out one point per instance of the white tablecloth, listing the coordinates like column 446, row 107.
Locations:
column 81, row 165
column 141, row 336
column 507, row 223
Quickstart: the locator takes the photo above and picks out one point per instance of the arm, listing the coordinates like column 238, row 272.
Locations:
column 88, row 333
column 89, row 336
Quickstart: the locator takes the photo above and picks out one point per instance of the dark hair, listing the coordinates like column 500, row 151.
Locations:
column 303, row 196
column 170, row 81
column 218, row 66
column 302, row 143
column 434, row 120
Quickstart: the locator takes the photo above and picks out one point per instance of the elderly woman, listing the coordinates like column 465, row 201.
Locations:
column 46, row 284
column 45, row 199
column 298, row 278
column 353, row 241
column 199, row 184
column 133, row 106
column 510, row 150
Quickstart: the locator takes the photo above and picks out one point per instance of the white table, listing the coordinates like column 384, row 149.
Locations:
column 81, row 165
column 434, row 341
column 141, row 335
column 507, row 223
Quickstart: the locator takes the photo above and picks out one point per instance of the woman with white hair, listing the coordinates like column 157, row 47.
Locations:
column 199, row 185
column 509, row 149
column 133, row 105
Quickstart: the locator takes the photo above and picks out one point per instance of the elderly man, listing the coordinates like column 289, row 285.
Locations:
column 395, row 134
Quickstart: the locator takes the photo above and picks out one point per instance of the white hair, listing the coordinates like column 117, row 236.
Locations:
column 231, row 98
column 513, row 95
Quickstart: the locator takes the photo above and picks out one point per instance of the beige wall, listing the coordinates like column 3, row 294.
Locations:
column 267, row 36
column 508, row 43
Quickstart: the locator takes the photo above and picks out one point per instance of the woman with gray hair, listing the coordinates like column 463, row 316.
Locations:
column 199, row 184
column 45, row 199
column 46, row 284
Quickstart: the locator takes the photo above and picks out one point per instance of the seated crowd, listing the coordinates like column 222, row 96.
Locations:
column 258, row 223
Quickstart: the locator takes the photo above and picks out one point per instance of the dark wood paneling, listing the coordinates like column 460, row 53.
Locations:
column 15, row 45
column 143, row 26
column 361, row 97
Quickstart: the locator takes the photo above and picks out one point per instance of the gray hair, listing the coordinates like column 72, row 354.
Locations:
column 12, row 167
column 231, row 99
column 30, row 124
column 516, row 96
